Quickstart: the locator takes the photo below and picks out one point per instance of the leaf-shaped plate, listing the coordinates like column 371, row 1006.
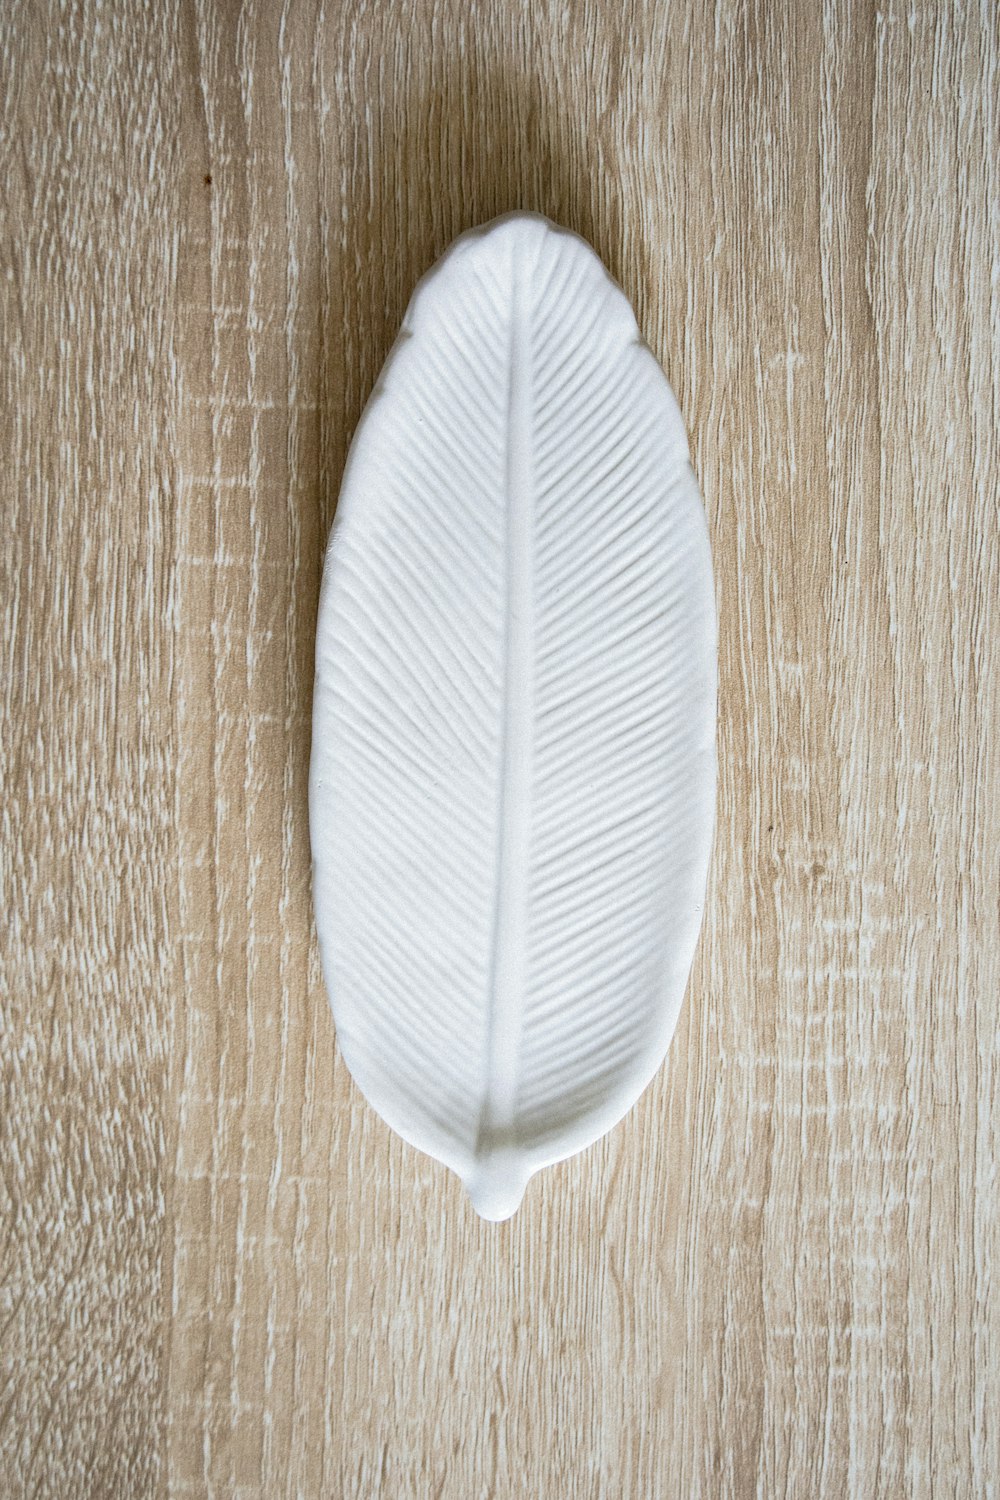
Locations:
column 513, row 767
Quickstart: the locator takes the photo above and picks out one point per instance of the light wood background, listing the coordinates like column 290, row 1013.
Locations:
column 221, row 1276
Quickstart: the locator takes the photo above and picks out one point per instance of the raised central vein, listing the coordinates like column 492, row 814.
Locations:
column 513, row 821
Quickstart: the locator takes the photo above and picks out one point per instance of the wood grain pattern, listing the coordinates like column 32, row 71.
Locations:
column 220, row 1275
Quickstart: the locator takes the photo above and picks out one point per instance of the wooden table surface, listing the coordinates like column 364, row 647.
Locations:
column 221, row 1275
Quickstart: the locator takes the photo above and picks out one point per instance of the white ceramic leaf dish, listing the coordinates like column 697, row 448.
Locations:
column 512, row 784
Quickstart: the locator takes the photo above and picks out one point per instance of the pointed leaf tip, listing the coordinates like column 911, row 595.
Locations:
column 496, row 1188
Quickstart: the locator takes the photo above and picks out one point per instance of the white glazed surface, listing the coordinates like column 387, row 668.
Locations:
column 512, row 784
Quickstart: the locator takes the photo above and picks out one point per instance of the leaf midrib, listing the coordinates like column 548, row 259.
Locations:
column 507, row 973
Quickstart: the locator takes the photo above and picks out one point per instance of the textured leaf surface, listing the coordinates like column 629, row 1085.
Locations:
column 513, row 771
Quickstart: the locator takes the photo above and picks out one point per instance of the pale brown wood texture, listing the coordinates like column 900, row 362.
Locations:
column 221, row 1275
